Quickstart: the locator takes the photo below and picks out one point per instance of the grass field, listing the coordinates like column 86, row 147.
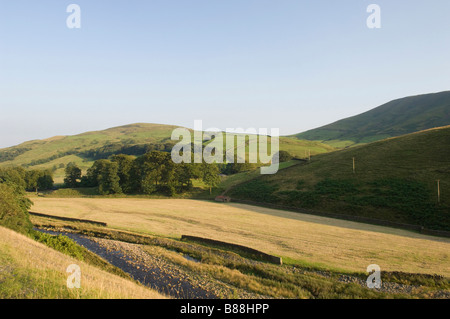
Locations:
column 29, row 269
column 298, row 238
column 394, row 179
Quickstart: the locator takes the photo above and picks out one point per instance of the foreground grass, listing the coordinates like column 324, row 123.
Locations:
column 32, row 270
column 298, row 238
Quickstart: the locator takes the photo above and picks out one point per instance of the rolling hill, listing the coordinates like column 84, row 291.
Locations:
column 394, row 179
column 398, row 117
column 134, row 139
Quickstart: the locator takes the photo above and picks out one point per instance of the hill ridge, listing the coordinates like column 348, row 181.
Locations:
column 397, row 117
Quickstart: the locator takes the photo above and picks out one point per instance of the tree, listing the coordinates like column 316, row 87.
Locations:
column 45, row 180
column 284, row 156
column 14, row 175
column 153, row 170
column 125, row 166
column 211, row 175
column 14, row 207
column 37, row 179
column 235, row 167
column 183, row 175
column 104, row 173
column 73, row 175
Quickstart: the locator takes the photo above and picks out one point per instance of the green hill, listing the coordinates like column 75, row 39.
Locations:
column 83, row 149
column 398, row 117
column 394, row 179
column 134, row 139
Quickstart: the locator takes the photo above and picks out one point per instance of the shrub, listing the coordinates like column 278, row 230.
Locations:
column 60, row 243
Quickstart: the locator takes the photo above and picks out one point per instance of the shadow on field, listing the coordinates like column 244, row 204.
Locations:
column 334, row 222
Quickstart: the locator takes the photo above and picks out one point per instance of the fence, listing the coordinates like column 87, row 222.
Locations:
column 69, row 219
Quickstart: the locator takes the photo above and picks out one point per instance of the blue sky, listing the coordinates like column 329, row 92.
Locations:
column 288, row 64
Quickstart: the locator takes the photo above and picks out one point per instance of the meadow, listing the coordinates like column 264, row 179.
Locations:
column 299, row 239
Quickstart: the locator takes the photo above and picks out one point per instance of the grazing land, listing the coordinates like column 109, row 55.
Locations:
column 395, row 118
column 394, row 180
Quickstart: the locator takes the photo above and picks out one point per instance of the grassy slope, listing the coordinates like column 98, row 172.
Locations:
column 44, row 149
column 133, row 134
column 32, row 270
column 398, row 117
column 298, row 238
column 395, row 179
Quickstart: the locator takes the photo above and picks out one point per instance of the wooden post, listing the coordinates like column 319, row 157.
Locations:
column 309, row 157
column 353, row 165
column 439, row 191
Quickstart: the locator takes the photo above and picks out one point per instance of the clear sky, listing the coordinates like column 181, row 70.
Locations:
column 288, row 64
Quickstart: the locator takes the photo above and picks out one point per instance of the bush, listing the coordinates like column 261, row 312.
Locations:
column 60, row 243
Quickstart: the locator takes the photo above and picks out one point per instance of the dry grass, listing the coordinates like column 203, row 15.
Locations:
column 32, row 270
column 316, row 240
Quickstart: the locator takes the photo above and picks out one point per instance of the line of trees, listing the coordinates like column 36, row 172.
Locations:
column 153, row 172
column 30, row 180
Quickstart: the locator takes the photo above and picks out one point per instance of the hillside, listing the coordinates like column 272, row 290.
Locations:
column 398, row 117
column 84, row 148
column 134, row 139
column 32, row 270
column 394, row 179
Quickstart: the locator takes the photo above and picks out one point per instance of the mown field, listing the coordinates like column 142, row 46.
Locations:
column 298, row 238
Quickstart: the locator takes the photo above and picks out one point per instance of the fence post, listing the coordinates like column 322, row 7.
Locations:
column 439, row 191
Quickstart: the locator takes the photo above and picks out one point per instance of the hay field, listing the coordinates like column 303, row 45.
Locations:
column 320, row 241
column 29, row 269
